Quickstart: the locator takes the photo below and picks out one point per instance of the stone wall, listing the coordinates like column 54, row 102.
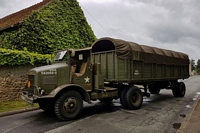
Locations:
column 12, row 81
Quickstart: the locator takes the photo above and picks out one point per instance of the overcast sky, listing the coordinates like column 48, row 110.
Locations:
column 168, row 24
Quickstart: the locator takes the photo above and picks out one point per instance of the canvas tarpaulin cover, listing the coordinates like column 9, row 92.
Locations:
column 134, row 51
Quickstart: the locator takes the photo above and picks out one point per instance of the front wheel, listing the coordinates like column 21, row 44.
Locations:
column 69, row 105
column 134, row 98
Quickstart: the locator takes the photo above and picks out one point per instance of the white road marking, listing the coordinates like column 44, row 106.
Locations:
column 188, row 106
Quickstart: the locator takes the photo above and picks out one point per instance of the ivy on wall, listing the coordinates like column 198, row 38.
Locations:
column 16, row 57
column 59, row 25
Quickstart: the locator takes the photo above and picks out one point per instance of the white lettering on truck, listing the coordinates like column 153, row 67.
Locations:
column 50, row 72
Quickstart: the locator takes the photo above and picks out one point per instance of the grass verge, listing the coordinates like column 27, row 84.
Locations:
column 14, row 105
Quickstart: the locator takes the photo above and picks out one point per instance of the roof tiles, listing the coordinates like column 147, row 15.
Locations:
column 17, row 17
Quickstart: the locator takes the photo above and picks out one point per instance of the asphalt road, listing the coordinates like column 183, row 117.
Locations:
column 161, row 113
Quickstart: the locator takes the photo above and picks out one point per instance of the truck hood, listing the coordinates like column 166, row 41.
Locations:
column 51, row 67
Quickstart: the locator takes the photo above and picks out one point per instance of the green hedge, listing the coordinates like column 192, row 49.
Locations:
column 56, row 26
column 16, row 57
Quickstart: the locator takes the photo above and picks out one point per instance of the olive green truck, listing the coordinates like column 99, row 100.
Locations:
column 109, row 69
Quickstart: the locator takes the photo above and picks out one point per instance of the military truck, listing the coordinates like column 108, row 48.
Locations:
column 109, row 69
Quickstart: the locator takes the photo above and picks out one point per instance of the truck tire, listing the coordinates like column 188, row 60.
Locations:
column 106, row 100
column 69, row 105
column 179, row 89
column 134, row 98
column 123, row 97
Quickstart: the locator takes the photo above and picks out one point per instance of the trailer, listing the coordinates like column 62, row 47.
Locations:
column 128, row 63
column 109, row 69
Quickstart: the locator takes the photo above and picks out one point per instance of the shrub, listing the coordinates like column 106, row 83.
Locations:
column 16, row 57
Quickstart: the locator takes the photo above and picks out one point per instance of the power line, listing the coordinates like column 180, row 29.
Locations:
column 96, row 20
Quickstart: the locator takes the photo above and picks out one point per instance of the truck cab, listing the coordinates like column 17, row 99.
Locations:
column 63, row 86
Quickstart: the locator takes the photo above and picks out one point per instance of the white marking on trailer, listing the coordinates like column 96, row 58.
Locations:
column 136, row 72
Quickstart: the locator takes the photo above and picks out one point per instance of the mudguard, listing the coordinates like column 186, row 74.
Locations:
column 65, row 87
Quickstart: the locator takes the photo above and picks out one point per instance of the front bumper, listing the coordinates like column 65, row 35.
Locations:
column 29, row 98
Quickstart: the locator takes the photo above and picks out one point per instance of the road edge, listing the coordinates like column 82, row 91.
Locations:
column 18, row 111
column 187, row 118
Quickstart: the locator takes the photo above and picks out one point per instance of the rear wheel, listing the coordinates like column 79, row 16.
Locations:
column 123, row 97
column 134, row 98
column 69, row 105
column 179, row 90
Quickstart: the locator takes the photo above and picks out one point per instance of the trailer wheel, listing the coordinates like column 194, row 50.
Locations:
column 123, row 97
column 69, row 105
column 106, row 100
column 182, row 89
column 179, row 89
column 134, row 98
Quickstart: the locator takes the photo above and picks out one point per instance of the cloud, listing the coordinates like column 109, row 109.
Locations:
column 170, row 24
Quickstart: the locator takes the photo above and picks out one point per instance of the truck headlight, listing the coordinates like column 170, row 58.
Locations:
column 29, row 84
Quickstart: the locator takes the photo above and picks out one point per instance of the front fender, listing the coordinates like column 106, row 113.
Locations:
column 57, row 91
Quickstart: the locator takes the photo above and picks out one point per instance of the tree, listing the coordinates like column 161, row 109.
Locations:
column 198, row 63
column 192, row 64
column 198, row 66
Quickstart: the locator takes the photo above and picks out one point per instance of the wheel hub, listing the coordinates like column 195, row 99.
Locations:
column 135, row 98
column 70, row 105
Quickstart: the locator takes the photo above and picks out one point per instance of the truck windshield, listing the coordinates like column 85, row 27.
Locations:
column 60, row 55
